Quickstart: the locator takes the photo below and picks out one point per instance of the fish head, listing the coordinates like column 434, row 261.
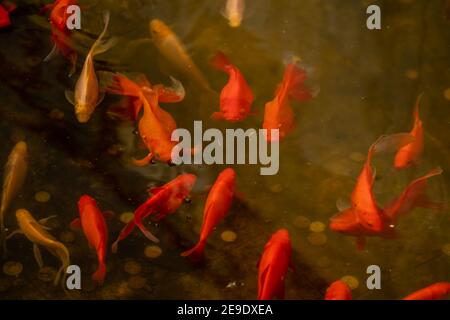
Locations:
column 282, row 237
column 159, row 30
column 21, row 148
column 85, row 201
column 187, row 182
column 23, row 215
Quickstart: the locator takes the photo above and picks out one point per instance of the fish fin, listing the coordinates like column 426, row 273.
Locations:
column 38, row 256
column 99, row 275
column 125, row 232
column 392, row 142
column 108, row 214
column 196, row 252
column 53, row 53
column 12, row 234
column 145, row 161
column 220, row 61
column 175, row 93
column 124, row 110
column 100, row 98
column 144, row 230
column 342, row 204
column 45, row 220
column 261, row 281
column 70, row 96
column 73, row 61
column 76, row 224
column 217, row 116
column 294, row 80
column 100, row 45
column 155, row 190
column 46, row 8
column 122, row 85
column 416, row 108
column 360, row 243
column 105, row 46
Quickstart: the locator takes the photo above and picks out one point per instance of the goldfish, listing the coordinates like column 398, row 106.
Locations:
column 234, row 12
column 171, row 48
column 155, row 125
column 338, row 290
column 365, row 217
column 166, row 200
column 5, row 9
column 87, row 96
column 13, row 179
column 409, row 154
column 37, row 233
column 236, row 97
column 217, row 205
column 436, row 291
column 273, row 266
column 278, row 113
column 62, row 43
column 93, row 223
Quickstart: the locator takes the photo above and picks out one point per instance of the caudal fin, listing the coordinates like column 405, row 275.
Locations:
column 196, row 252
column 220, row 61
column 99, row 275
column 101, row 45
column 294, row 80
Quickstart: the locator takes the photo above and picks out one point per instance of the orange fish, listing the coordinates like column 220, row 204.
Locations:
column 96, row 231
column 409, row 154
column 273, row 266
column 5, row 9
column 60, row 33
column 165, row 200
column 217, row 205
column 278, row 113
column 236, row 97
column 365, row 217
column 155, row 125
column 338, row 290
column 436, row 291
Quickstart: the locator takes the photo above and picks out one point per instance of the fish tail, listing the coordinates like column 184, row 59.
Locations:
column 220, row 61
column 196, row 252
column 416, row 109
column 294, row 80
column 100, row 45
column 99, row 275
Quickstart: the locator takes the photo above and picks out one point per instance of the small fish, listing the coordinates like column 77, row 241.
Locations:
column 14, row 176
column 217, row 205
column 338, row 290
column 60, row 34
column 93, row 223
column 155, row 125
column 273, row 266
column 365, row 217
column 165, row 200
column 409, row 154
column 5, row 9
column 36, row 232
column 171, row 48
column 236, row 97
column 434, row 292
column 278, row 113
column 234, row 12
column 87, row 95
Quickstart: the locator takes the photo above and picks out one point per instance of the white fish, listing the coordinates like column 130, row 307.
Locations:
column 234, row 12
column 13, row 179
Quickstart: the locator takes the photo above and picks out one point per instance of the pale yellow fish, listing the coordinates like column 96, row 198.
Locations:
column 173, row 50
column 87, row 95
column 13, row 179
column 36, row 232
column 234, row 12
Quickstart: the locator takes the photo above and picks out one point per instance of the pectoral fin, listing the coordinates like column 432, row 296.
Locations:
column 76, row 224
column 45, row 220
column 70, row 96
column 52, row 54
column 38, row 256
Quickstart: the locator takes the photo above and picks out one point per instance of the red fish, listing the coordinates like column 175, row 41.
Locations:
column 96, row 231
column 273, row 266
column 338, row 290
column 165, row 200
column 5, row 9
column 409, row 154
column 278, row 113
column 217, row 205
column 60, row 33
column 365, row 217
column 155, row 125
column 436, row 291
column 236, row 97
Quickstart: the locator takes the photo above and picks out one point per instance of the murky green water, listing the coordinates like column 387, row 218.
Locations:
column 365, row 91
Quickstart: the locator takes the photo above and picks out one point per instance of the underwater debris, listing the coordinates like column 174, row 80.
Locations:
column 228, row 236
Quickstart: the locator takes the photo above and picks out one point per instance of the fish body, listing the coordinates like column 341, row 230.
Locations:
column 95, row 229
column 409, row 155
column 87, row 96
column 365, row 217
column 278, row 113
column 273, row 266
column 14, row 177
column 234, row 12
column 171, row 48
column 5, row 9
column 37, row 234
column 436, row 291
column 217, row 205
column 236, row 97
column 164, row 201
column 338, row 290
